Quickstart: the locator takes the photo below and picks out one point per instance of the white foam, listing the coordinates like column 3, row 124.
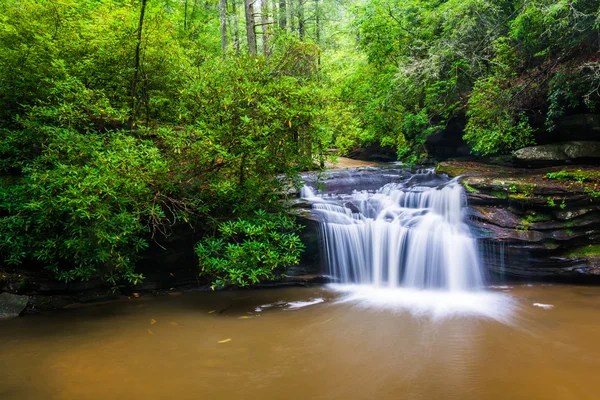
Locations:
column 294, row 305
column 544, row 306
column 437, row 304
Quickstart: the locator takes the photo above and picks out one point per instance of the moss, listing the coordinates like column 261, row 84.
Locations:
column 518, row 196
column 575, row 176
column 589, row 179
column 524, row 190
column 499, row 194
column 534, row 217
column 469, row 188
column 586, row 251
column 450, row 170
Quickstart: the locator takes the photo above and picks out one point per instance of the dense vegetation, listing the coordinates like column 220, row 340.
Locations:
column 504, row 68
column 122, row 118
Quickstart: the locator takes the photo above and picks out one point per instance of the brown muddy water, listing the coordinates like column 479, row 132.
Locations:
column 311, row 343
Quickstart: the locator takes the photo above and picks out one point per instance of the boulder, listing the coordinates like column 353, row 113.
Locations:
column 11, row 305
column 558, row 152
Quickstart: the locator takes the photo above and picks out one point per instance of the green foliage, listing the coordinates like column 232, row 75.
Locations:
column 494, row 66
column 212, row 138
column 493, row 125
column 81, row 206
column 578, row 176
column 246, row 251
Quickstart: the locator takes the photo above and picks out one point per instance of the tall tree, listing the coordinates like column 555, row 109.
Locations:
column 317, row 22
column 282, row 15
column 250, row 26
column 290, row 15
column 223, row 20
column 136, row 65
column 264, row 22
column 301, row 21
column 185, row 14
column 236, row 28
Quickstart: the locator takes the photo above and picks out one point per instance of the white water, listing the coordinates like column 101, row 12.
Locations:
column 406, row 246
column 404, row 235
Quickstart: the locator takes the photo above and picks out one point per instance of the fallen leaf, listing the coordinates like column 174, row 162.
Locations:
column 150, row 332
column 244, row 317
column 152, row 321
column 173, row 323
column 170, row 273
column 211, row 311
column 136, row 295
column 224, row 341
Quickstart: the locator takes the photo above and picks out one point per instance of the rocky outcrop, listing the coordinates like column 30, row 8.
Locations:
column 559, row 152
column 11, row 305
column 531, row 226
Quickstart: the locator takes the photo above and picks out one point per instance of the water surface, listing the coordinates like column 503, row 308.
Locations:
column 309, row 343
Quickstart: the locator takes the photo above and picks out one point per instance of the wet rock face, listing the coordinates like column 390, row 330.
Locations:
column 11, row 305
column 374, row 152
column 574, row 127
column 530, row 226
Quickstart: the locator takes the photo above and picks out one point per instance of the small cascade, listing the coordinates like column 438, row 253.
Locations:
column 409, row 234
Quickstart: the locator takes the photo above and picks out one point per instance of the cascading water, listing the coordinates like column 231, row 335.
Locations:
column 408, row 234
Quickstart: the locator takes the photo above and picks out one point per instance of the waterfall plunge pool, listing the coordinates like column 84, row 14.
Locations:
column 304, row 343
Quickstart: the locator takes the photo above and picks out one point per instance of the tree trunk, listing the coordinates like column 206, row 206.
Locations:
column 185, row 7
column 301, row 29
column 290, row 15
column 236, row 28
column 264, row 20
column 250, row 25
column 223, row 20
column 136, row 65
column 282, row 15
column 317, row 23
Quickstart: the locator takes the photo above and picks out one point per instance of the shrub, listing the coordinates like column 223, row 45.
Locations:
column 246, row 251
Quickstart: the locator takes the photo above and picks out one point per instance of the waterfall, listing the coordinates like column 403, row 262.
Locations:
column 407, row 234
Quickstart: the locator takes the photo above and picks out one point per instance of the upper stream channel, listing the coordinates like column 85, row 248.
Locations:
column 411, row 314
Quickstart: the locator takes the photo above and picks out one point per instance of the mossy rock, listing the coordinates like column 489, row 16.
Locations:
column 592, row 250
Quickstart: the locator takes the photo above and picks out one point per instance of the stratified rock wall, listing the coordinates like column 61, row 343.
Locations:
column 531, row 226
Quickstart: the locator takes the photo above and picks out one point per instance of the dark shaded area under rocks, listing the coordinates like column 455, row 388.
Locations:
column 168, row 266
column 531, row 226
